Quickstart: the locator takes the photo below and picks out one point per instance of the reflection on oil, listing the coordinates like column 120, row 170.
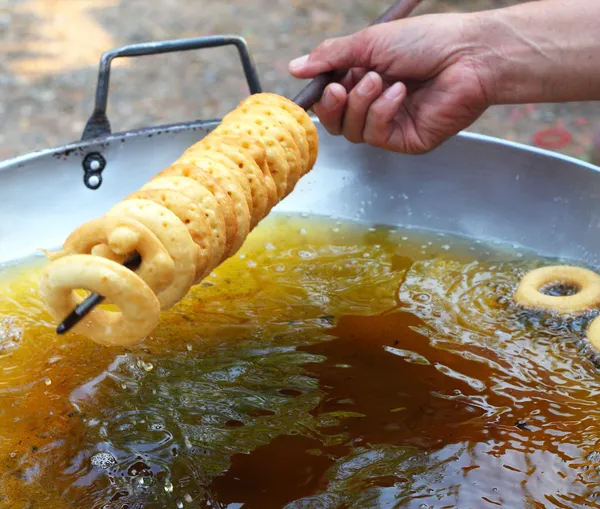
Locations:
column 329, row 365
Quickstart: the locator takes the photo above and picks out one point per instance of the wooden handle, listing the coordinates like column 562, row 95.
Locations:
column 312, row 93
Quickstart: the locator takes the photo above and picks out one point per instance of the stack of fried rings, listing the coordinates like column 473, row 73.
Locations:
column 184, row 222
column 530, row 294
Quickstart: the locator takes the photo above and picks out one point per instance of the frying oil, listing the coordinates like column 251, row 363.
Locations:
column 328, row 364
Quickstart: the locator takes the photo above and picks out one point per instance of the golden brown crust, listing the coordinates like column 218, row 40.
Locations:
column 191, row 216
column 271, row 108
column 301, row 117
column 230, row 184
column 208, row 206
column 225, row 201
column 247, row 166
column 272, row 131
column 276, row 157
column 138, row 305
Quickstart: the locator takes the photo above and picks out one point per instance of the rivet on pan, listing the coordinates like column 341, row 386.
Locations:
column 93, row 164
column 92, row 180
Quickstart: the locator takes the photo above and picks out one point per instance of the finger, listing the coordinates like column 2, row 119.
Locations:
column 380, row 123
column 353, row 76
column 334, row 54
column 360, row 100
column 330, row 109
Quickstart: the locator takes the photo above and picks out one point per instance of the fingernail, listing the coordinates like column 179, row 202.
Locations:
column 366, row 85
column 298, row 63
column 393, row 92
column 329, row 101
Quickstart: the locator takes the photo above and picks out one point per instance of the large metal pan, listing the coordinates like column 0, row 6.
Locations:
column 473, row 185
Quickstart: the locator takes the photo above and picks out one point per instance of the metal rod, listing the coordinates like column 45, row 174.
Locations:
column 312, row 93
column 305, row 99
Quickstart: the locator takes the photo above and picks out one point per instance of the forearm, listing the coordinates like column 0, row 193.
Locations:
column 542, row 51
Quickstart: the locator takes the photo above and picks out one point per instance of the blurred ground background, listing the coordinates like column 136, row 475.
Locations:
column 49, row 52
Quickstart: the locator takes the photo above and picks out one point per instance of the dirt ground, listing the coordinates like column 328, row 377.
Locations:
column 50, row 51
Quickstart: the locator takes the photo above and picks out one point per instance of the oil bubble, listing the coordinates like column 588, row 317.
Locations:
column 103, row 460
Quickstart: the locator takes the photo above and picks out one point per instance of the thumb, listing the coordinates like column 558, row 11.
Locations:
column 340, row 53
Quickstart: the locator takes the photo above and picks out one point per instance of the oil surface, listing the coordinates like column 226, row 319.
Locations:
column 328, row 365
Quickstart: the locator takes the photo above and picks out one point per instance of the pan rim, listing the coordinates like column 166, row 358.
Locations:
column 208, row 125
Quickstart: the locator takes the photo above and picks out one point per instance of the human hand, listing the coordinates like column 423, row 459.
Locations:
column 412, row 83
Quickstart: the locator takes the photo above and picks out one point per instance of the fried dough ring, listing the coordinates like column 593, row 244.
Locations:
column 191, row 216
column 117, row 238
column 289, row 123
column 255, row 150
column 233, row 169
column 276, row 157
column 529, row 292
column 301, row 117
column 273, row 129
column 175, row 238
column 207, row 180
column 139, row 307
column 232, row 187
column 208, row 206
column 246, row 165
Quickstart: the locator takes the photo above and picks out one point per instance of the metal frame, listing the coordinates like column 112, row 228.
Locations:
column 98, row 126
column 79, row 148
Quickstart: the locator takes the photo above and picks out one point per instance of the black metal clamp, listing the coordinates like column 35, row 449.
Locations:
column 98, row 125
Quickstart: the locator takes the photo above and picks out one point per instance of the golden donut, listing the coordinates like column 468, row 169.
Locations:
column 289, row 123
column 270, row 126
column 232, row 187
column 218, row 156
column 208, row 181
column 312, row 137
column 232, row 169
column 117, row 238
column 276, row 156
column 255, row 149
column 138, row 305
column 249, row 167
column 191, row 216
column 174, row 236
column 208, row 206
column 529, row 292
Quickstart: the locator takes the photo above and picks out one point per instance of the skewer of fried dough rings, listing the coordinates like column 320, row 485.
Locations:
column 184, row 222
column 530, row 294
